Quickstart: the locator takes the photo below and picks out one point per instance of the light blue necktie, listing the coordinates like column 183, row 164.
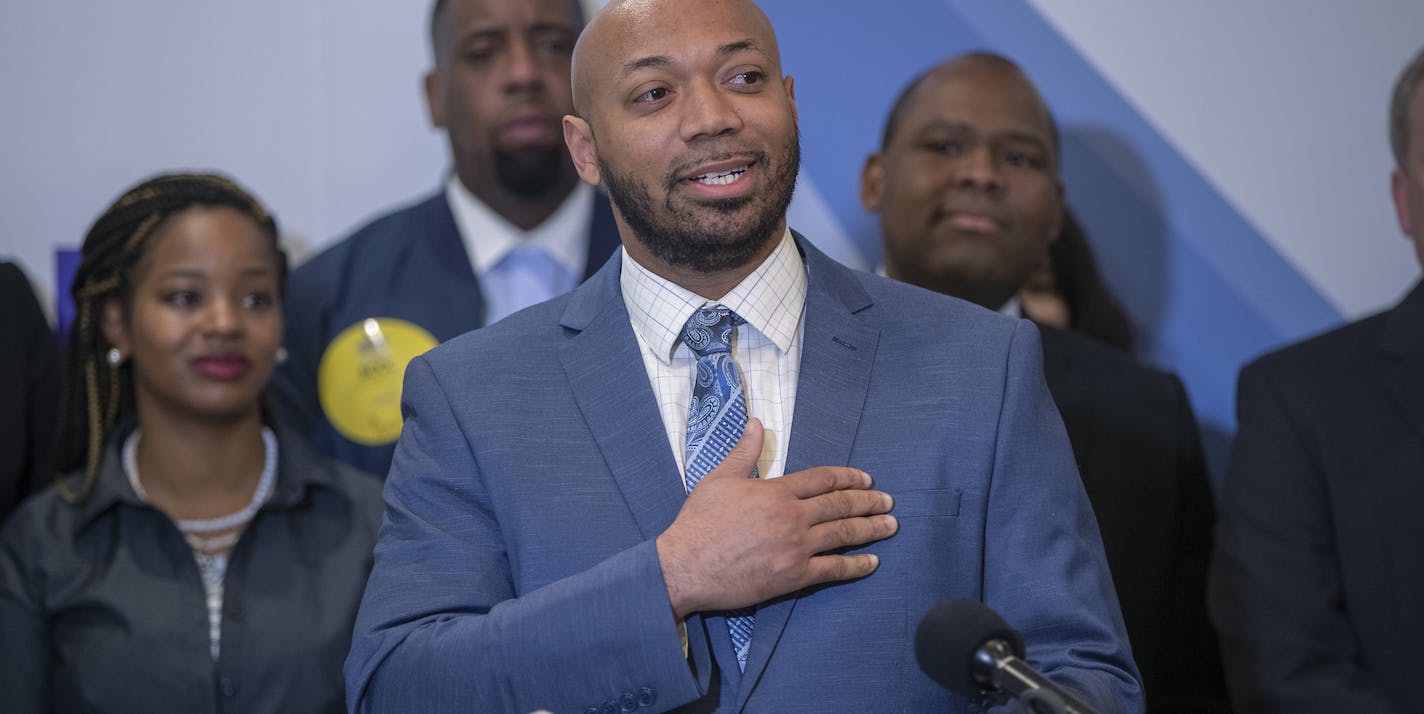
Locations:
column 716, row 418
column 526, row 275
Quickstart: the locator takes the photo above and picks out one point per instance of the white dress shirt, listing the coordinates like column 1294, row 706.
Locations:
column 767, row 347
column 488, row 238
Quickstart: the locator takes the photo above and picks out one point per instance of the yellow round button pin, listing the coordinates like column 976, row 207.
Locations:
column 359, row 377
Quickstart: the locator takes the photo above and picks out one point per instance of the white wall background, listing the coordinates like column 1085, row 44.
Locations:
column 314, row 104
column 1283, row 106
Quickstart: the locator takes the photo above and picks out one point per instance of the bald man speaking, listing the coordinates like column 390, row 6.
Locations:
column 725, row 474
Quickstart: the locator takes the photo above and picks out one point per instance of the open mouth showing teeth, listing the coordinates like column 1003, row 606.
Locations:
column 721, row 178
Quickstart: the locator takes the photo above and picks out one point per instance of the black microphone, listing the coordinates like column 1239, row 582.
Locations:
column 968, row 649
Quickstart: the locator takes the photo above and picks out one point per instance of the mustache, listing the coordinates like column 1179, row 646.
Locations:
column 686, row 166
column 946, row 208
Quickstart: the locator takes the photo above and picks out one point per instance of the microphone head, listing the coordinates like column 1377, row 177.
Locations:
column 949, row 636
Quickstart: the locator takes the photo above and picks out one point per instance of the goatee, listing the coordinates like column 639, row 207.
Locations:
column 707, row 236
column 532, row 172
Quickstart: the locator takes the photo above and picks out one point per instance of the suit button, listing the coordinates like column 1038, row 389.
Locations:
column 227, row 687
column 609, row 707
column 646, row 697
column 628, row 703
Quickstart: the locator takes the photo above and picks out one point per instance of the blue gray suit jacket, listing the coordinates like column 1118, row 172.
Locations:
column 411, row 264
column 517, row 569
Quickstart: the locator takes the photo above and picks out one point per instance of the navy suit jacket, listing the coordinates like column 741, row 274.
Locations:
column 517, row 567
column 411, row 264
column 1317, row 584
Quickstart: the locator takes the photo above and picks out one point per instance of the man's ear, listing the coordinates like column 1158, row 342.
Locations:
column 790, row 83
column 114, row 327
column 579, row 137
column 872, row 182
column 434, row 98
column 1399, row 189
column 1057, row 226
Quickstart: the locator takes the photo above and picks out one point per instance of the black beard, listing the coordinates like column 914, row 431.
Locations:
column 530, row 173
column 686, row 238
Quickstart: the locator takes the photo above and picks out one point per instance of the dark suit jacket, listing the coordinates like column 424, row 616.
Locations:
column 517, row 566
column 1139, row 454
column 411, row 264
column 1318, row 580
column 29, row 390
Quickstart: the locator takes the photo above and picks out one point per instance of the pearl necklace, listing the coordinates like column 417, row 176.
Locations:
column 221, row 523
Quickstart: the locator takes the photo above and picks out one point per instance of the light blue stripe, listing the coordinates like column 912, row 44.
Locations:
column 1205, row 288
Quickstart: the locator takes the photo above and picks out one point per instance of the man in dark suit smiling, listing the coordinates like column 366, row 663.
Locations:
column 967, row 188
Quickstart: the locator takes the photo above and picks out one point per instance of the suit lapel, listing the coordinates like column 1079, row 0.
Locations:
column 623, row 418
column 444, row 254
column 837, row 354
column 1401, row 357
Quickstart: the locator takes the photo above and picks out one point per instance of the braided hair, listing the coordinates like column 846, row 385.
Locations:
column 98, row 394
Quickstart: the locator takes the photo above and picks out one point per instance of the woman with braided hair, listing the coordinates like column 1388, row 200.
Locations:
column 193, row 557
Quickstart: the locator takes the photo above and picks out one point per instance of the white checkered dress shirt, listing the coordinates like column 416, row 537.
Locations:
column 767, row 348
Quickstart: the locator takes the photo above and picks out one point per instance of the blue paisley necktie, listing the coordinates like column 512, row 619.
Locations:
column 716, row 418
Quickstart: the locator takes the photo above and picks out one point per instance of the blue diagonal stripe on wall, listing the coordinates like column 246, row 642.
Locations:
column 1205, row 288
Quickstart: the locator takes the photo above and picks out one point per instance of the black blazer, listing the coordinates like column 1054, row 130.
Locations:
column 1318, row 579
column 1139, row 455
column 29, row 390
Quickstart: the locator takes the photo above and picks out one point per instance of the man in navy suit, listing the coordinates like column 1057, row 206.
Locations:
column 541, row 548
column 968, row 190
column 511, row 227
column 1317, row 583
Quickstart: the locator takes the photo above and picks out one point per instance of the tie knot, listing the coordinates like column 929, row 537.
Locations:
column 530, row 258
column 709, row 330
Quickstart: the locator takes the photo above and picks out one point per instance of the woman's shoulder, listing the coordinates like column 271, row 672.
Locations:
column 47, row 525
column 306, row 472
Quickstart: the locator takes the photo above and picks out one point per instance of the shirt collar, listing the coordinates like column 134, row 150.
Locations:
column 489, row 237
column 298, row 469
column 771, row 300
column 1012, row 308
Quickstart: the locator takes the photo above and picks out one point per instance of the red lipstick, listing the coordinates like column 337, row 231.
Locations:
column 222, row 367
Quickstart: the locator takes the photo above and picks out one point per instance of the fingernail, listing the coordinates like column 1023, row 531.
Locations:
column 874, row 560
column 887, row 501
column 892, row 523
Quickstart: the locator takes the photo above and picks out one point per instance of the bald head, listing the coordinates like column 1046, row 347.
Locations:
column 1006, row 73
column 684, row 116
column 966, row 183
column 441, row 35
column 617, row 41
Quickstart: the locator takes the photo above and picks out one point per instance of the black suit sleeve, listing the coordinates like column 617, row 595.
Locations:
column 1191, row 678
column 1276, row 591
column 29, row 381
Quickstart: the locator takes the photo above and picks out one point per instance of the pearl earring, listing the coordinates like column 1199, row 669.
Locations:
column 114, row 356
column 281, row 355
